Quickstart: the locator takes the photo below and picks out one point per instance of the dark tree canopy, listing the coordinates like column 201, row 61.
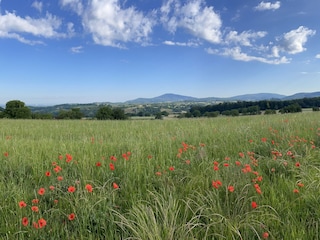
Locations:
column 17, row 109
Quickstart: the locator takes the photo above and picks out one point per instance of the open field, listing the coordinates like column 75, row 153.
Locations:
column 244, row 178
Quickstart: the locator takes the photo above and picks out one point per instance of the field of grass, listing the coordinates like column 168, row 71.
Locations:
column 244, row 178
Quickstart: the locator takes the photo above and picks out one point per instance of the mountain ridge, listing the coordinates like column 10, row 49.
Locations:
column 171, row 97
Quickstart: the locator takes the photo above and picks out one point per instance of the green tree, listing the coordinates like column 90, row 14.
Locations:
column 104, row 113
column 17, row 109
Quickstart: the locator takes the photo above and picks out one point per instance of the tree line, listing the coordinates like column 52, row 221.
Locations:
column 17, row 109
column 253, row 108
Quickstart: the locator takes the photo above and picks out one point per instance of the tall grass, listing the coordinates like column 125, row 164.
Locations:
column 224, row 178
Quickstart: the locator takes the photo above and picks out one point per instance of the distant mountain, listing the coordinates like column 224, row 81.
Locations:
column 168, row 97
column 258, row 97
column 302, row 95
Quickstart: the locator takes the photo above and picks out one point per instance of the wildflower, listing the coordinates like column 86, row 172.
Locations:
column 48, row 174
column 111, row 166
column 171, row 168
column 149, row 156
column 35, row 209
column 265, row 235
column 263, row 139
column 231, row 188
column 113, row 158
column 216, row 184
column 59, row 178
column 295, row 190
column 51, row 188
column 227, row 158
column 22, row 204
column 71, row 216
column 158, row 173
column 215, row 168
column 98, row 164
column 241, row 154
column 226, row 164
column 300, row 184
column 35, row 225
column 68, row 158
column 238, row 163
column 71, row 189
column 56, row 201
column 57, row 169
column 6, row 154
column 187, row 162
column 215, row 163
column 125, row 156
column 35, row 201
column 254, row 204
column 297, row 164
column 42, row 223
column 60, row 157
column 257, row 187
column 115, row 186
column 89, row 188
column 41, row 191
column 25, row 221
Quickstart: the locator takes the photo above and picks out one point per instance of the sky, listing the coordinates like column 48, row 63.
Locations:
column 76, row 51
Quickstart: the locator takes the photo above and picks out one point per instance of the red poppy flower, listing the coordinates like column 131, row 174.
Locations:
column 216, row 184
column 171, row 168
column 158, row 173
column 115, row 186
column 241, row 154
column 215, row 168
column 231, row 188
column 25, row 221
column 6, row 154
column 297, row 164
column 48, row 174
column 300, row 184
column 187, row 162
column 71, row 189
column 111, row 166
column 68, row 157
column 113, row 158
column 51, row 188
column 254, row 205
column 59, row 178
column 71, row 216
column 22, row 204
column 295, row 190
column 35, row 201
column 265, row 235
column 98, row 164
column 35, row 209
column 42, row 223
column 89, row 188
column 41, row 191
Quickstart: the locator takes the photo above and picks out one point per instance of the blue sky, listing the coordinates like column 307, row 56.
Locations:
column 74, row 51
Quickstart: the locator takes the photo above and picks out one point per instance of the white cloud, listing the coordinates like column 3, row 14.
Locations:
column 236, row 54
column 243, row 38
column 37, row 5
column 111, row 25
column 293, row 42
column 75, row 5
column 182, row 44
column 77, row 49
column 318, row 55
column 13, row 26
column 267, row 6
column 201, row 21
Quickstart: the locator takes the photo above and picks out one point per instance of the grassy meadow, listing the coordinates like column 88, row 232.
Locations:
column 251, row 177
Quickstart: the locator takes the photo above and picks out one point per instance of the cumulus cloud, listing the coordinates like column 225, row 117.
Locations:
column 237, row 54
column 37, row 5
column 267, row 6
column 77, row 49
column 75, row 5
column 244, row 38
column 293, row 42
column 112, row 25
column 13, row 26
column 318, row 55
column 201, row 21
column 182, row 44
